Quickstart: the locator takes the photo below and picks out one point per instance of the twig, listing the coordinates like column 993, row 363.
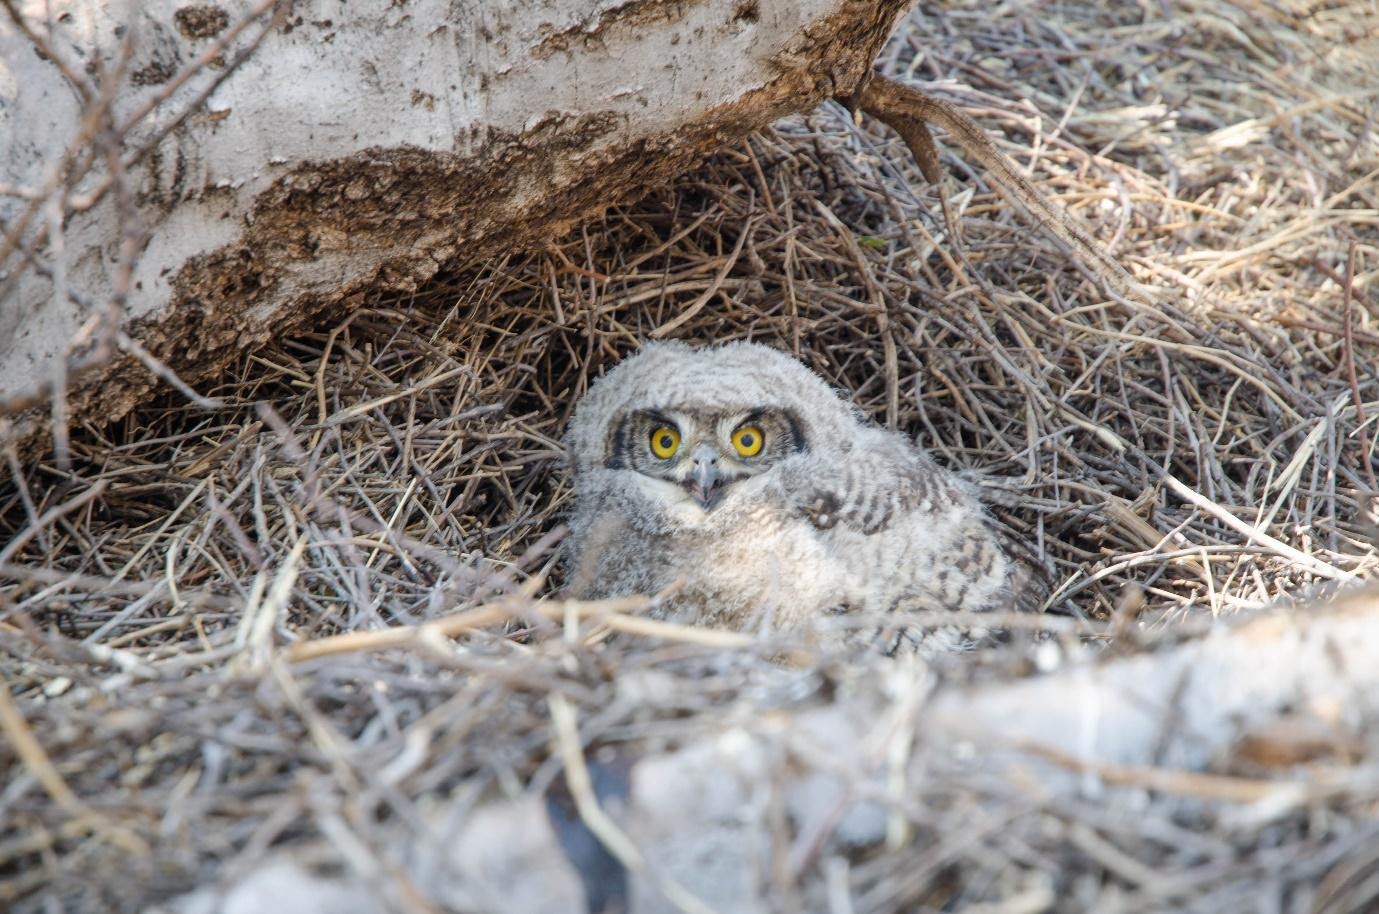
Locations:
column 1180, row 782
column 1348, row 343
column 131, row 345
column 905, row 109
column 1312, row 564
column 693, row 308
column 31, row 753
column 451, row 626
column 76, row 502
column 612, row 837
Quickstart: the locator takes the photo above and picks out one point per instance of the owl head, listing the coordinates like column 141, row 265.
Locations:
column 696, row 429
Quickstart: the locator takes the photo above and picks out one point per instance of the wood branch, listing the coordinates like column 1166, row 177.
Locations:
column 907, row 110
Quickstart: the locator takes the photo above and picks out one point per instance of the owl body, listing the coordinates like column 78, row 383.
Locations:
column 738, row 474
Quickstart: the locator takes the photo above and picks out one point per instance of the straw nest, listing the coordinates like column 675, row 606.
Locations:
column 1200, row 452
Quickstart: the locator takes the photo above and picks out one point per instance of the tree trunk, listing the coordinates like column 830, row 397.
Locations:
column 178, row 182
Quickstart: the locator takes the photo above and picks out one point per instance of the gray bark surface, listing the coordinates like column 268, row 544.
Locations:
column 358, row 147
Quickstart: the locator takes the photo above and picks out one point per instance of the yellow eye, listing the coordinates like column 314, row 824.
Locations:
column 748, row 440
column 665, row 441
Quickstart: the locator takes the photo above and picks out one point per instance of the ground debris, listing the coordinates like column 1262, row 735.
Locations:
column 1165, row 464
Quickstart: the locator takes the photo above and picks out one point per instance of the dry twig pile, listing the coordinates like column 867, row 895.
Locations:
column 1206, row 451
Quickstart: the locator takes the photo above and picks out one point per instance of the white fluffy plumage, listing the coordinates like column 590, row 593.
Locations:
column 835, row 524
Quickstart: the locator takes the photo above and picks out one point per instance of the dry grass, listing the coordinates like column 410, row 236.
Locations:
column 1209, row 450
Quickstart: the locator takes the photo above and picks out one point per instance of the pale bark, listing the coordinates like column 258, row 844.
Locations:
column 359, row 147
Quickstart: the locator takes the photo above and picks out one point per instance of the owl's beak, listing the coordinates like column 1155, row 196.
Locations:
column 705, row 483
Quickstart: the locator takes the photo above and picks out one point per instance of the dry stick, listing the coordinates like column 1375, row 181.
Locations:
column 1358, row 294
column 1285, row 321
column 905, row 109
column 161, row 370
column 94, row 112
column 457, row 624
column 920, row 142
column 31, row 753
column 95, row 335
column 1198, row 784
column 695, row 306
column 878, row 303
column 20, row 483
column 324, row 363
column 578, row 270
column 1348, row 344
column 359, row 409
column 48, row 517
column 613, row 838
column 1120, row 445
column 112, row 586
column 629, row 269
column 102, row 110
column 672, row 631
column 1311, row 563
column 1350, row 882
column 319, row 504
column 1188, row 494
column 611, row 613
column 83, row 87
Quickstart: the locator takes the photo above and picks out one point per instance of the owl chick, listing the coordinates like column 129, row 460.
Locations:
column 738, row 472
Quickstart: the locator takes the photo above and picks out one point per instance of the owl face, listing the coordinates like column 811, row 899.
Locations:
column 699, row 455
column 675, row 438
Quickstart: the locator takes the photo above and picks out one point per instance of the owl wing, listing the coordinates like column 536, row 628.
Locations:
column 878, row 482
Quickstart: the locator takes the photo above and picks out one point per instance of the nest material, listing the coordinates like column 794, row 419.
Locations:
column 1209, row 450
